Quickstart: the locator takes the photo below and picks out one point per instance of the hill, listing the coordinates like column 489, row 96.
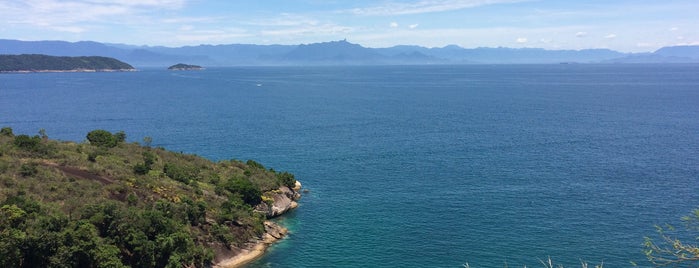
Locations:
column 108, row 203
column 45, row 63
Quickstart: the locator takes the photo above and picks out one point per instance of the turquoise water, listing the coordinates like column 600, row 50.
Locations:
column 430, row 166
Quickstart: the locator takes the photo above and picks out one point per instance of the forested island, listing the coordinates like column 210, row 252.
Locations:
column 108, row 203
column 184, row 67
column 46, row 63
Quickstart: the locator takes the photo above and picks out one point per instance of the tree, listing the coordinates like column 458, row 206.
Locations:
column 27, row 143
column 6, row 131
column 42, row 133
column 671, row 250
column 147, row 140
column 120, row 136
column 287, row 179
column 102, row 138
column 248, row 192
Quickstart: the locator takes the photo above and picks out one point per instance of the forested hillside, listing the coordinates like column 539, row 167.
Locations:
column 109, row 203
column 37, row 62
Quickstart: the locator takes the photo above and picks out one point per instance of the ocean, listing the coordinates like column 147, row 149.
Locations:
column 418, row 166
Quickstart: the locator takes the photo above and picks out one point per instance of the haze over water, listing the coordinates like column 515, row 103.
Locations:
column 430, row 166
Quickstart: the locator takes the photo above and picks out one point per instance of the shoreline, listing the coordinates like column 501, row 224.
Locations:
column 69, row 71
column 256, row 249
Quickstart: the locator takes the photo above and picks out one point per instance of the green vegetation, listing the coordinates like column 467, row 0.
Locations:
column 670, row 250
column 182, row 66
column 37, row 62
column 109, row 203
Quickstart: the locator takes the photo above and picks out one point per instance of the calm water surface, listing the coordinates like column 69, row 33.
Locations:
column 430, row 166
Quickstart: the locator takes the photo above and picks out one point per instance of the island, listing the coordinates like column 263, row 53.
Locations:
column 45, row 63
column 184, row 67
column 105, row 202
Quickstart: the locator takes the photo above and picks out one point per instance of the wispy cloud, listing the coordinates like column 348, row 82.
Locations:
column 610, row 36
column 424, row 6
column 580, row 34
column 283, row 20
column 67, row 14
column 322, row 29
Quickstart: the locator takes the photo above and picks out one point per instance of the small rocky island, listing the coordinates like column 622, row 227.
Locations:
column 184, row 67
column 27, row 63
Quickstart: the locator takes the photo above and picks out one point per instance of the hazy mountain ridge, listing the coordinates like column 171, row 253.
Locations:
column 339, row 53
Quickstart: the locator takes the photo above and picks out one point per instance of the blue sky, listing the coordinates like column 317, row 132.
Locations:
column 626, row 25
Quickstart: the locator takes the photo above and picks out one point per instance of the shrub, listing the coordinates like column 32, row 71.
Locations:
column 149, row 158
column 27, row 143
column 6, row 131
column 287, row 179
column 120, row 136
column 247, row 191
column 102, row 138
column 28, row 169
column 141, row 169
column 181, row 173
column 254, row 164
column 100, row 151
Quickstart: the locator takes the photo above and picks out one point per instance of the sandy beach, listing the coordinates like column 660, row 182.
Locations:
column 274, row 232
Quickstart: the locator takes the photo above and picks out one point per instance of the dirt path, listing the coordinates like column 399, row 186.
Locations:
column 79, row 173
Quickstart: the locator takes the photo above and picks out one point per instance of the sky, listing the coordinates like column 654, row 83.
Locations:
column 623, row 25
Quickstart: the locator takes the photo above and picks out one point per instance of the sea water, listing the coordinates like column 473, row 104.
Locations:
column 418, row 166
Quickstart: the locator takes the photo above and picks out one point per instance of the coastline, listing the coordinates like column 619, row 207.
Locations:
column 256, row 249
column 69, row 71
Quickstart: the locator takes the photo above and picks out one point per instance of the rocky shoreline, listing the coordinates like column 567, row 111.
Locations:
column 282, row 200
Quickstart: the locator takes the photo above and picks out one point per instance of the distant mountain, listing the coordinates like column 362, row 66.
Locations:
column 691, row 52
column 346, row 53
column 338, row 53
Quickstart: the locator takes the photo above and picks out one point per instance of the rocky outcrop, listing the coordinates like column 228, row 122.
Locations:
column 279, row 201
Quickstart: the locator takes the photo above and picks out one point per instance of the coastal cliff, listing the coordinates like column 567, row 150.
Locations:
column 282, row 200
column 279, row 201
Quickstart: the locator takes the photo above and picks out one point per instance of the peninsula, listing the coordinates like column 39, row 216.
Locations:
column 46, row 63
column 184, row 67
column 109, row 203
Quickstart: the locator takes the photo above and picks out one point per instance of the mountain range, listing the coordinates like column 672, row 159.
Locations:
column 339, row 53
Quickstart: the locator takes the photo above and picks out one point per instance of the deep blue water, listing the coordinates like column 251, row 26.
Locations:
column 430, row 166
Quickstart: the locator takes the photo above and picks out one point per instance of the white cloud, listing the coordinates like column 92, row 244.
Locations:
column 580, row 34
column 209, row 36
column 393, row 24
column 69, row 29
column 674, row 29
column 610, row 36
column 72, row 14
column 413, row 26
column 521, row 40
column 323, row 29
column 424, row 6
column 285, row 19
